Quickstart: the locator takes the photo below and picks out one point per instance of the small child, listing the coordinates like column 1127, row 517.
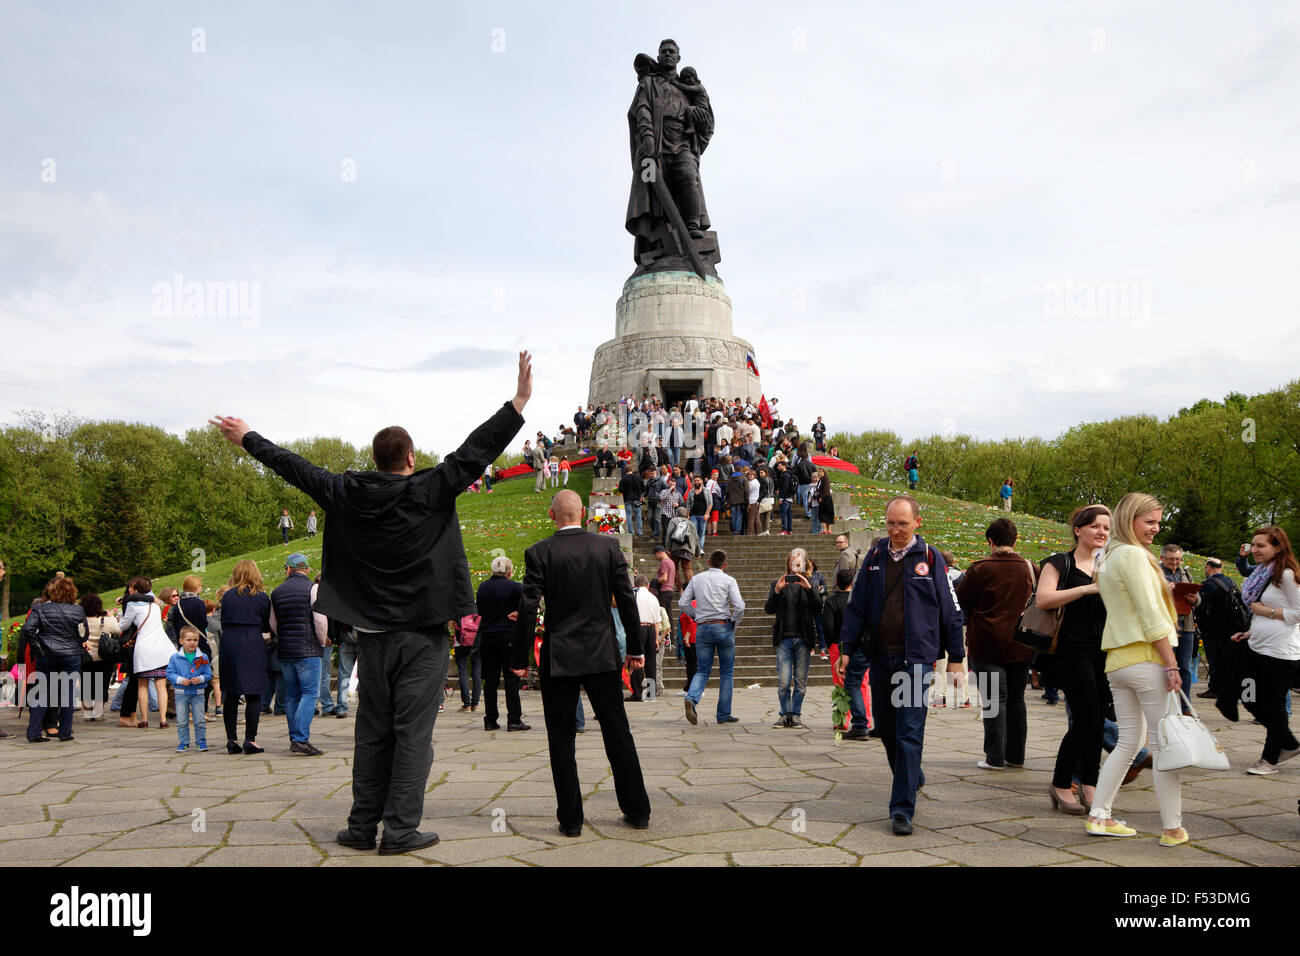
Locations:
column 553, row 472
column 189, row 672
column 565, row 468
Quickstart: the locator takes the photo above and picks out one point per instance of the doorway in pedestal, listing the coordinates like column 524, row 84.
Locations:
column 676, row 391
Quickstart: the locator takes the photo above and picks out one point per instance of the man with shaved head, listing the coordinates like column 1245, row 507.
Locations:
column 577, row 574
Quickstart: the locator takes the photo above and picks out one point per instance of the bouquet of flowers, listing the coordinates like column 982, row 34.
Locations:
column 611, row 522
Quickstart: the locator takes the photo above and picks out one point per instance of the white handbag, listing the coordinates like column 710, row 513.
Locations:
column 1183, row 741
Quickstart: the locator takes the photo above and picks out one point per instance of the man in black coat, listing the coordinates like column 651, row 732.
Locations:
column 394, row 568
column 576, row 573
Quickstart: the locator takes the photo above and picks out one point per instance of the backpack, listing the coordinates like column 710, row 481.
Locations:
column 1223, row 618
column 910, row 463
column 467, row 630
column 682, row 533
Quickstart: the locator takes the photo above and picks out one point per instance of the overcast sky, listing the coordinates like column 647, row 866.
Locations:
column 996, row 218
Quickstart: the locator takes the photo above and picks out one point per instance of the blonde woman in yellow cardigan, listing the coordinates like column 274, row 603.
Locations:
column 1139, row 639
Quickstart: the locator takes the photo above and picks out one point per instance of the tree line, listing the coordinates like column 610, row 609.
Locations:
column 1221, row 468
column 103, row 501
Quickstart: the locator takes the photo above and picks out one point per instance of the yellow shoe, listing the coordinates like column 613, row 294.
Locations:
column 1167, row 840
column 1117, row 829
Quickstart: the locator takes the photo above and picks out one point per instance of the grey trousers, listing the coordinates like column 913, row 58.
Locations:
column 402, row 674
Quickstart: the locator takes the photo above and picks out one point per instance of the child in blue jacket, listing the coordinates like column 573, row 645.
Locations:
column 189, row 672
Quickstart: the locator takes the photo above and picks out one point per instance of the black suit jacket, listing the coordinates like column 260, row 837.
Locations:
column 576, row 572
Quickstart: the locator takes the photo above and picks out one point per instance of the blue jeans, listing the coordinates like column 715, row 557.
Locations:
column 801, row 494
column 787, row 514
column 581, row 715
column 469, row 664
column 716, row 637
column 633, row 511
column 854, row 671
column 814, row 509
column 737, row 519
column 188, row 705
column 898, row 698
column 347, row 658
column 325, row 698
column 301, row 685
column 699, row 522
column 275, row 686
column 116, row 706
column 791, row 675
column 675, row 454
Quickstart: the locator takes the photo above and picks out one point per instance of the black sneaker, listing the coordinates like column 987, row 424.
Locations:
column 902, row 825
column 856, row 735
column 571, row 831
column 795, row 723
column 518, row 725
column 416, row 841
column 340, row 714
column 637, row 823
column 354, row 840
column 491, row 725
column 305, row 748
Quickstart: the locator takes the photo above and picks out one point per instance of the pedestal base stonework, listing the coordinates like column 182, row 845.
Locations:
column 673, row 338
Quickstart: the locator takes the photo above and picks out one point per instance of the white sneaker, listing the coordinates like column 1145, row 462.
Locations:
column 985, row 765
column 1262, row 768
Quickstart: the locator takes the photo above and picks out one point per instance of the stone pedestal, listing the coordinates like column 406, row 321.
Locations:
column 604, row 486
column 673, row 338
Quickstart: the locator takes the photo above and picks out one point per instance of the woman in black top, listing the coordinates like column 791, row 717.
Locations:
column 1078, row 666
column 796, row 606
column 766, row 492
column 826, row 504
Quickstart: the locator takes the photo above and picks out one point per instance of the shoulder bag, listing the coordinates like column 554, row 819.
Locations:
column 1040, row 630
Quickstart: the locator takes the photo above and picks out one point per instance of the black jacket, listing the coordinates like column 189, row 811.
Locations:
column 786, row 486
column 576, row 573
column 55, row 629
column 805, row 607
column 632, row 488
column 604, row 458
column 803, row 471
column 393, row 556
column 737, row 489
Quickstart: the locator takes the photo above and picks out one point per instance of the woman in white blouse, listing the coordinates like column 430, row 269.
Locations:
column 1273, row 596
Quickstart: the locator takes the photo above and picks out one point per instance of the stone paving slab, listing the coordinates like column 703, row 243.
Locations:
column 743, row 794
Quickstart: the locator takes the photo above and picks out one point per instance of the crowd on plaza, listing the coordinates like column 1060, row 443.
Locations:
column 397, row 602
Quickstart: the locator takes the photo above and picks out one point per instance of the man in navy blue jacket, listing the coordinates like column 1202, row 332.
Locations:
column 902, row 611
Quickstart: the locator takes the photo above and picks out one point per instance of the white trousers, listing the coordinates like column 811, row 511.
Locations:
column 1141, row 694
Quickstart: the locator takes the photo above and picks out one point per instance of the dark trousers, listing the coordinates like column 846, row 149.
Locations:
column 1084, row 681
column 230, row 714
column 898, row 693
column 496, row 661
column 560, row 705
column 130, row 689
column 639, row 676
column 52, row 698
column 1272, row 683
column 1006, row 723
column 402, row 675
column 688, row 652
column 1213, row 643
column 667, row 602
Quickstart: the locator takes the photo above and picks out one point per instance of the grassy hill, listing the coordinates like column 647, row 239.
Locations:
column 514, row 517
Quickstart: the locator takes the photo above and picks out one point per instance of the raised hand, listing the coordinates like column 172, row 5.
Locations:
column 524, row 388
column 234, row 429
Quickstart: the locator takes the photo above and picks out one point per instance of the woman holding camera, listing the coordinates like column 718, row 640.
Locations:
column 795, row 606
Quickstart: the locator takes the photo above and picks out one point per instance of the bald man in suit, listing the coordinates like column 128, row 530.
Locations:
column 577, row 573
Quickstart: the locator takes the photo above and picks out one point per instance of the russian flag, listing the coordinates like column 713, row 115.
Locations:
column 751, row 364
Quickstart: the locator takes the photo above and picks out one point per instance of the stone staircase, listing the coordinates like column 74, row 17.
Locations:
column 755, row 562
